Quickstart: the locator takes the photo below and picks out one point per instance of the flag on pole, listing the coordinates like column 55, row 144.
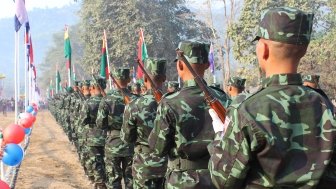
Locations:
column 142, row 52
column 58, row 81
column 67, row 52
column 27, row 42
column 31, row 51
column 34, row 72
column 21, row 16
column 212, row 59
column 104, row 72
column 51, row 89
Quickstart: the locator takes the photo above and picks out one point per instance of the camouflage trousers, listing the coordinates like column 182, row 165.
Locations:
column 148, row 171
column 95, row 163
column 118, row 168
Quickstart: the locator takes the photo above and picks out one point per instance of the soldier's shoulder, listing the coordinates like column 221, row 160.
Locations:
column 170, row 95
column 244, row 98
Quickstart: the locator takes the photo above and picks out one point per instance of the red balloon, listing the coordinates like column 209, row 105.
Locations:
column 26, row 122
column 4, row 185
column 13, row 134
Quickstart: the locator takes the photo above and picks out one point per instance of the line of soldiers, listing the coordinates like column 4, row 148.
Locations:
column 282, row 136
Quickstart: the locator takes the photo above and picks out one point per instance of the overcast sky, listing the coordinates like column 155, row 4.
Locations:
column 7, row 6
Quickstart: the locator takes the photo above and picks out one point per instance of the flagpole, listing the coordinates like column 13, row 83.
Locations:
column 30, row 85
column 26, row 70
column 107, row 57
column 15, row 76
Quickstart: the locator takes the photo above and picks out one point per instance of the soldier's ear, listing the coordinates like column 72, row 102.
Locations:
column 266, row 51
column 180, row 65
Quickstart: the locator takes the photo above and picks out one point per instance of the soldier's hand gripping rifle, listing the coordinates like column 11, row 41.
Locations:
column 100, row 88
column 127, row 99
column 210, row 99
column 156, row 91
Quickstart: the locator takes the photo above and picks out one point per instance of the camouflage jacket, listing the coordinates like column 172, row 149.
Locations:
column 110, row 117
column 182, row 128
column 95, row 136
column 139, row 118
column 283, row 136
column 138, row 122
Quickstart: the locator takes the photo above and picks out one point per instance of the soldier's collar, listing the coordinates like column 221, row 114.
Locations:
column 282, row 79
column 191, row 83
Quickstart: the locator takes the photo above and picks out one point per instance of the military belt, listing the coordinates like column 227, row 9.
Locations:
column 142, row 149
column 185, row 164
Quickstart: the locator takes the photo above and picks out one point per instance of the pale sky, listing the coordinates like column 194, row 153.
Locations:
column 7, row 6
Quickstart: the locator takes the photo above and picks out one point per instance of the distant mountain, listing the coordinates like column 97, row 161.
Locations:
column 43, row 23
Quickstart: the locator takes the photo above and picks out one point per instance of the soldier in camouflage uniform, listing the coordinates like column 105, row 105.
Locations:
column 148, row 169
column 118, row 155
column 66, row 113
column 236, row 85
column 182, row 128
column 81, row 130
column 172, row 86
column 73, row 112
column 95, row 137
column 283, row 136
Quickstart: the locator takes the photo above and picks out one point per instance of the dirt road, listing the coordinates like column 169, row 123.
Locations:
column 50, row 161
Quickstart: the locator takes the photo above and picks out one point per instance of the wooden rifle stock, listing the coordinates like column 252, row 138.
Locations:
column 127, row 99
column 210, row 99
column 100, row 88
column 156, row 91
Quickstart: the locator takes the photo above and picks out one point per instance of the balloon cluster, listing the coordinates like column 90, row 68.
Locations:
column 14, row 134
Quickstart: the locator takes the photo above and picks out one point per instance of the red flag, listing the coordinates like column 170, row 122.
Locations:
column 142, row 53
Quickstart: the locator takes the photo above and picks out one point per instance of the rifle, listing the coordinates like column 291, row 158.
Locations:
column 100, row 88
column 80, row 94
column 209, row 98
column 127, row 99
column 156, row 91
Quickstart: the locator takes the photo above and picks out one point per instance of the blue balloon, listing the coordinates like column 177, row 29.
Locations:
column 28, row 131
column 13, row 154
column 29, row 109
column 34, row 113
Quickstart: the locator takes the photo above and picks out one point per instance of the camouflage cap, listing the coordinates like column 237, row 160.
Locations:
column 76, row 83
column 86, row 83
column 195, row 52
column 174, row 84
column 286, row 25
column 155, row 66
column 311, row 78
column 80, row 84
column 121, row 73
column 236, row 82
column 100, row 81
